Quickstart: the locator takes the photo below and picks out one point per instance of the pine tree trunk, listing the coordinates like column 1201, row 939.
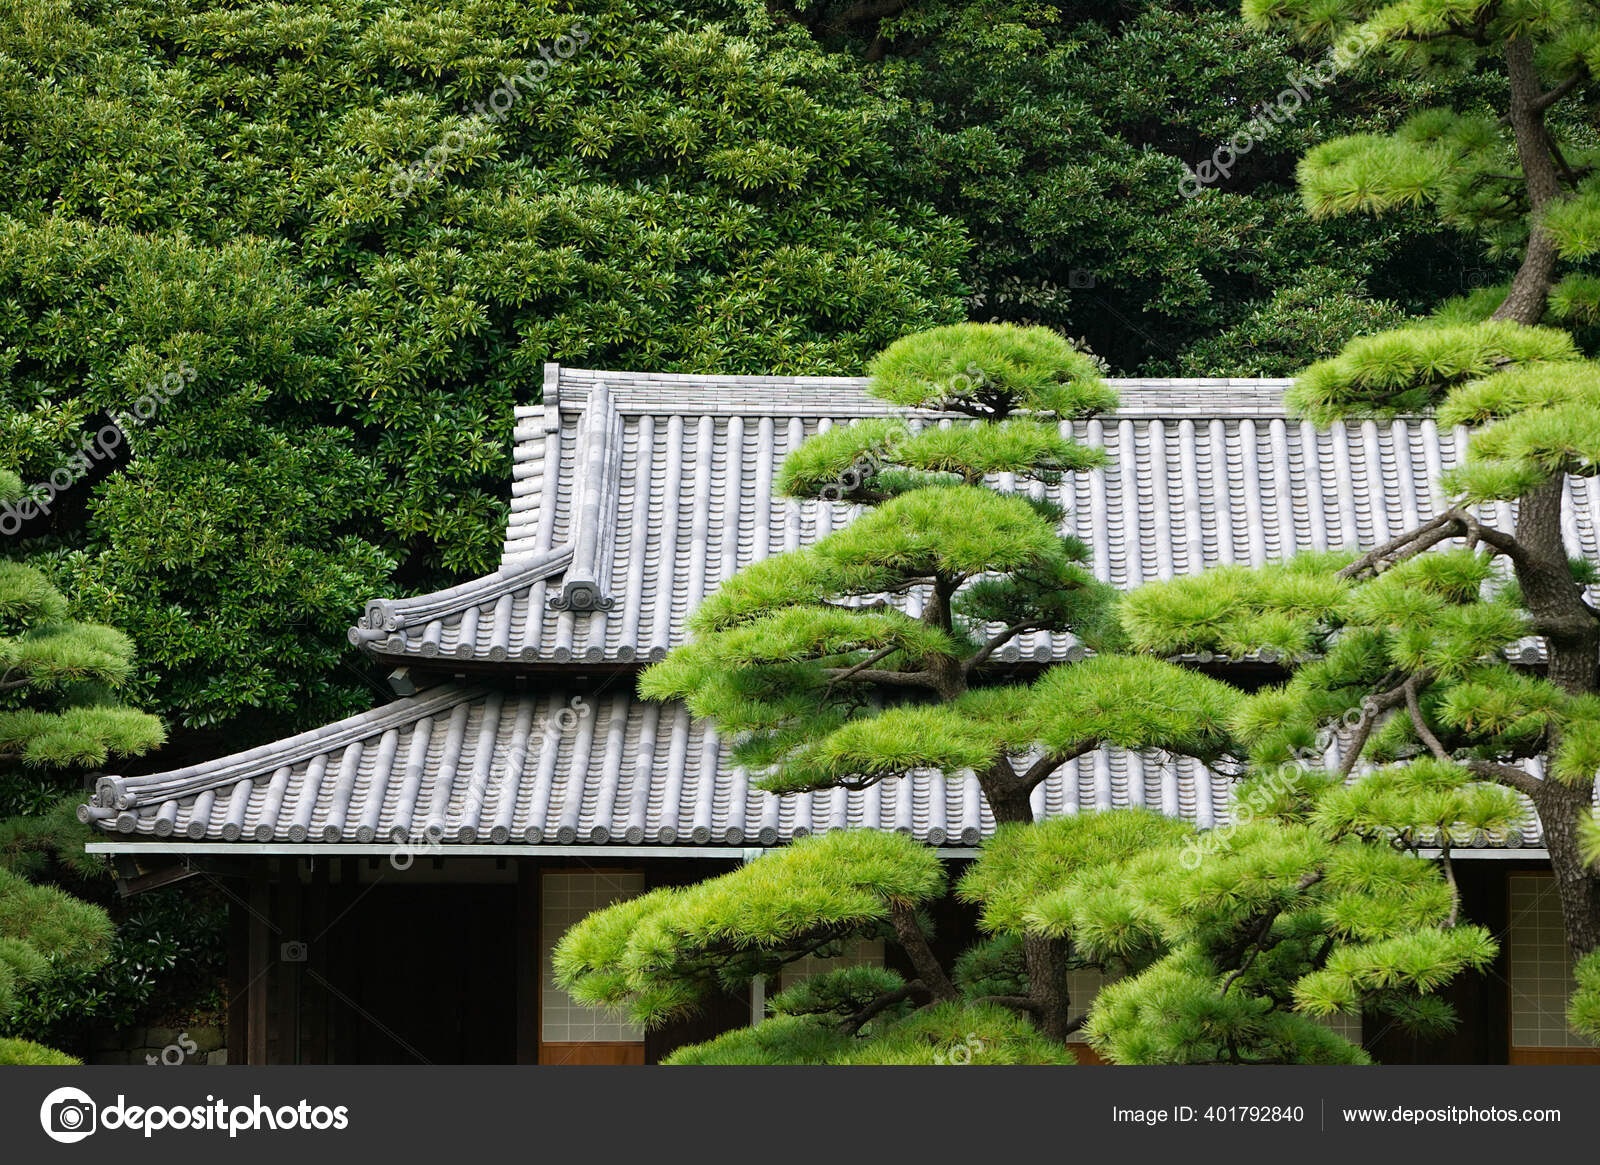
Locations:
column 1046, row 960
column 1530, row 289
column 1572, row 641
column 1010, row 809
column 1560, row 808
column 1569, row 628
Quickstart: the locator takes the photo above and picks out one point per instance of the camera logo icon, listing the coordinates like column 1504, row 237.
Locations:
column 292, row 951
column 68, row 1115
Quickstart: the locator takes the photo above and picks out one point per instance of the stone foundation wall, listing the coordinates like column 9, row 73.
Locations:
column 161, row 1046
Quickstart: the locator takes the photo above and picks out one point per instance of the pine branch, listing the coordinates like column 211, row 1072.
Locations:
column 1457, row 522
column 882, row 1003
column 1570, row 626
column 856, row 608
column 1414, row 707
column 1518, row 779
column 1372, row 707
column 1449, row 866
column 994, row 644
column 906, row 679
column 1502, row 542
column 1256, row 940
column 1407, row 545
column 1545, row 100
column 863, row 665
column 908, row 932
column 1040, row 769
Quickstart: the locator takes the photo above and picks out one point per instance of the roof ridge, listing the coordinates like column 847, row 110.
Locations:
column 383, row 618
column 566, row 390
column 611, row 375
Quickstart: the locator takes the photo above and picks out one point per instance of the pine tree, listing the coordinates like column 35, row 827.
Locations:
column 1504, row 362
column 871, row 656
column 57, row 712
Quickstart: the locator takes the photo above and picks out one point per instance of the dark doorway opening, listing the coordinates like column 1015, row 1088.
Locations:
column 434, row 976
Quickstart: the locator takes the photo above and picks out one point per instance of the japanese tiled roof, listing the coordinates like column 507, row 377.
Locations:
column 635, row 495
column 458, row 765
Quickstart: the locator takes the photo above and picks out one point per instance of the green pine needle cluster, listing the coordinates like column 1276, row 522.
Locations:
column 990, row 370
column 1574, row 223
column 660, row 955
column 1583, row 1010
column 1025, row 868
column 58, row 713
column 1575, row 300
column 44, row 932
column 57, row 677
column 839, row 994
column 15, row 1051
column 1409, row 371
column 945, row 1034
column 1533, row 423
column 1135, row 702
column 1280, row 610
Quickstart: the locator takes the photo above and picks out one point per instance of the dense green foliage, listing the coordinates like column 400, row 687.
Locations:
column 359, row 242
column 215, row 187
column 165, row 965
column 1060, row 133
column 299, row 223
